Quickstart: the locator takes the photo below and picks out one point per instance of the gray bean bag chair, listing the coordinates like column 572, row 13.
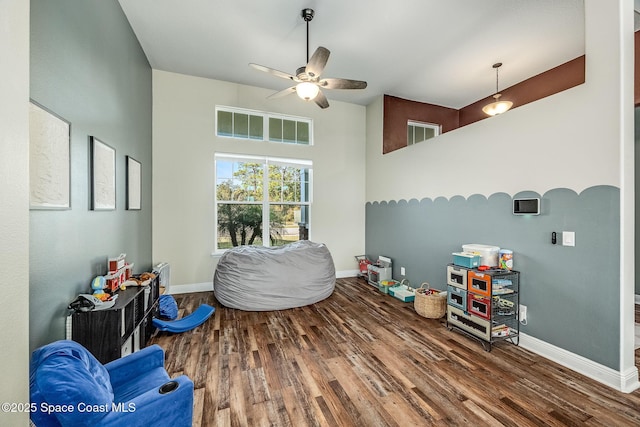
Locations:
column 258, row 278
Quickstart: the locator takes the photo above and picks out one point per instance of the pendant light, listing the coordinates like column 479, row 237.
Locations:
column 497, row 106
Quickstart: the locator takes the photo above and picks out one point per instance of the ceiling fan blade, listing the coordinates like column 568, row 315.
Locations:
column 274, row 72
column 321, row 100
column 342, row 84
column 317, row 62
column 282, row 93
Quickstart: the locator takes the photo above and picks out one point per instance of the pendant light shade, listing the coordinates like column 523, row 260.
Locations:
column 497, row 106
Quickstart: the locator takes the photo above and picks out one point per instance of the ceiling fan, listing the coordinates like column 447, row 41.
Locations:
column 307, row 78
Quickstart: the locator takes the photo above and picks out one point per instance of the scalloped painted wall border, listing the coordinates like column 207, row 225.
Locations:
column 525, row 193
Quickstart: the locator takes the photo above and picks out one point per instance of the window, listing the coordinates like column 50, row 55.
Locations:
column 288, row 131
column 261, row 200
column 240, row 125
column 257, row 125
column 418, row 132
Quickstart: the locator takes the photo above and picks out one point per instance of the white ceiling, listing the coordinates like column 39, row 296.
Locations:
column 436, row 51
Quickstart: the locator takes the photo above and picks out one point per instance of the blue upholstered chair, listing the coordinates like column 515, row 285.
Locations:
column 69, row 387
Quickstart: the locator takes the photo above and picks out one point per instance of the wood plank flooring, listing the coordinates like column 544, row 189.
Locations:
column 361, row 358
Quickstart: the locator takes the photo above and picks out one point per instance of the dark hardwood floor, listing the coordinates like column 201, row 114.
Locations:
column 361, row 358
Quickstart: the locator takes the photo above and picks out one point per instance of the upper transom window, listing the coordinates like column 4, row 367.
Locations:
column 261, row 126
column 418, row 131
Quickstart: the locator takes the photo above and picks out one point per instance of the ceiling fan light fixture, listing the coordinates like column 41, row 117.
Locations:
column 307, row 90
column 307, row 80
column 497, row 106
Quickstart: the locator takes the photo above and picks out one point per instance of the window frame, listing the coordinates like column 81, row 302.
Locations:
column 266, row 203
column 266, row 118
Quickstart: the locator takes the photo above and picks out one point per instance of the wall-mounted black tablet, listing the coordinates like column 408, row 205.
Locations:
column 526, row 206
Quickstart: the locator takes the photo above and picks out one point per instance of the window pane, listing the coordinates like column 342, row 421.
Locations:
column 289, row 131
column 275, row 183
column 285, row 224
column 225, row 123
column 275, row 129
column 288, row 184
column 255, row 127
column 240, row 125
column 419, row 134
column 303, row 133
column 224, row 180
column 305, row 193
column 250, row 177
column 429, row 133
column 239, row 181
column 239, row 225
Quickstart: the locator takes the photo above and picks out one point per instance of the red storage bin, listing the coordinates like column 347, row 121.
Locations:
column 479, row 305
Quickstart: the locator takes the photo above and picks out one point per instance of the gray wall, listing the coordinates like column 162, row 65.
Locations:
column 572, row 303
column 88, row 67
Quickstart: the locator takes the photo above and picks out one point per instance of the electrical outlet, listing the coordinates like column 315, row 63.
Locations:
column 402, row 272
column 523, row 313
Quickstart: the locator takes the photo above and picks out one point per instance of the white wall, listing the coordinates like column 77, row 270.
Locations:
column 559, row 141
column 572, row 139
column 14, row 214
column 184, row 144
column 575, row 139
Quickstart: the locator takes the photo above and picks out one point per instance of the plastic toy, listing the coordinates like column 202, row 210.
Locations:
column 98, row 284
column 187, row 323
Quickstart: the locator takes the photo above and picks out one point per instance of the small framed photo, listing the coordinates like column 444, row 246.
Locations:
column 49, row 159
column 103, row 176
column 134, row 184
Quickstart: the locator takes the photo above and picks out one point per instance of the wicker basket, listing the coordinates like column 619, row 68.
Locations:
column 431, row 306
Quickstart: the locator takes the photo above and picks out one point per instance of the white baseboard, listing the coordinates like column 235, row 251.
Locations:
column 346, row 273
column 625, row 382
column 190, row 288
column 637, row 299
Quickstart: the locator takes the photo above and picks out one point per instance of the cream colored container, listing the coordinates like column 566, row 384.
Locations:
column 488, row 254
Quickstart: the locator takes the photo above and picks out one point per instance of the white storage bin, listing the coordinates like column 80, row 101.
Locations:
column 488, row 254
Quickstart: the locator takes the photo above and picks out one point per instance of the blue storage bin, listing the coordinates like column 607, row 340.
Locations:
column 466, row 259
column 457, row 297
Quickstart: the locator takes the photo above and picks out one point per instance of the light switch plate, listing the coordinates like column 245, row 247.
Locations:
column 568, row 238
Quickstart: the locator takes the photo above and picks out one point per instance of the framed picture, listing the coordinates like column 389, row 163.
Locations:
column 134, row 184
column 49, row 159
column 103, row 176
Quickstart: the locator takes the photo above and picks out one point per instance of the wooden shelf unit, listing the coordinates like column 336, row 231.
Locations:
column 122, row 329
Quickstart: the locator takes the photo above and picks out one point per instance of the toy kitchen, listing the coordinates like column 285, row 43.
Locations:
column 379, row 271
